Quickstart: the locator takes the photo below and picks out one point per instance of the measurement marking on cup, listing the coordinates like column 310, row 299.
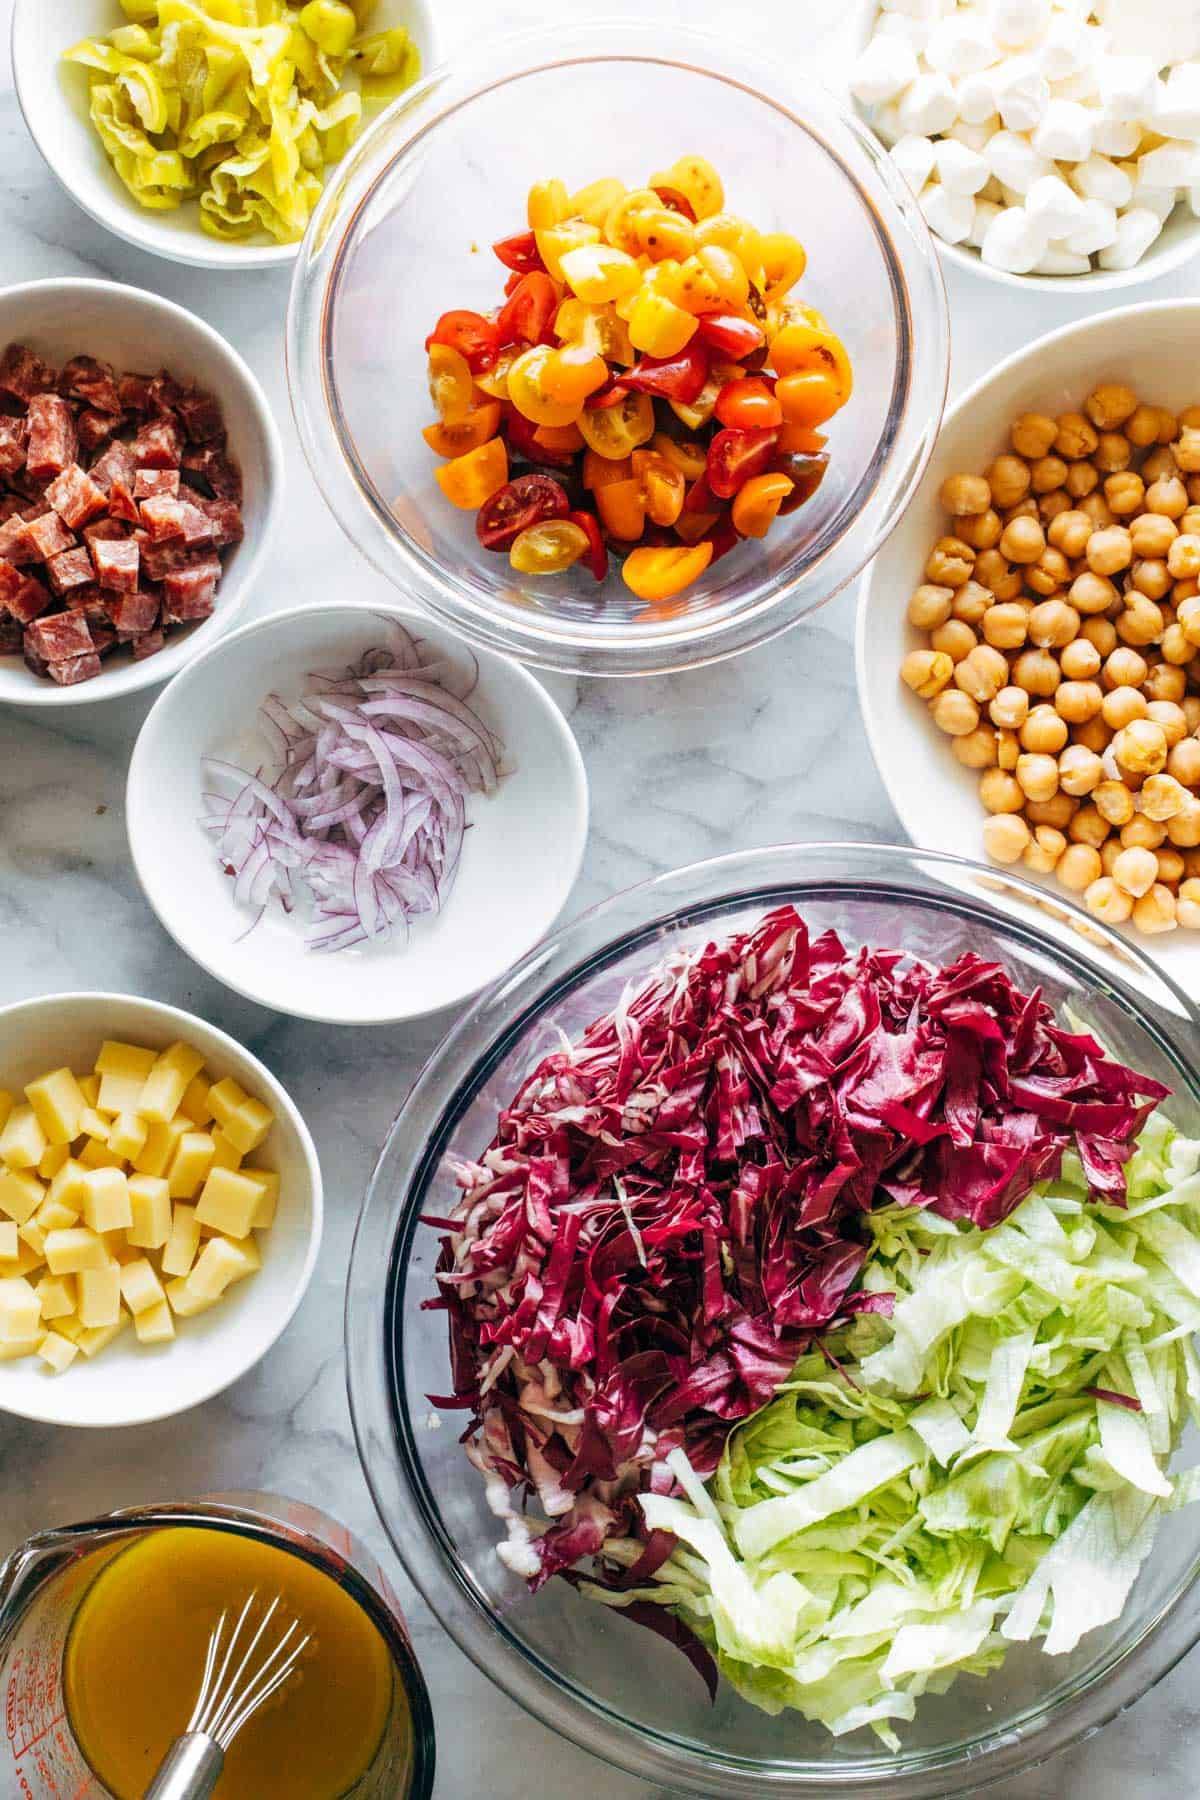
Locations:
column 44, row 1732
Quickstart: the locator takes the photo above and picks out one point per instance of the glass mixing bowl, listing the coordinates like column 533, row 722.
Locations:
column 584, row 1670
column 402, row 234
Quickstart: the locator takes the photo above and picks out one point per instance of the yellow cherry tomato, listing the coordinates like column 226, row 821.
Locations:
column 689, row 458
column 597, row 273
column 697, row 412
column 724, row 269
column 471, row 479
column 618, row 226
column 548, row 204
column 494, row 381
column 731, row 233
column 600, row 328
column 545, row 549
column 658, row 574
column 595, row 201
column 451, row 384
column 660, row 233
column 615, row 431
column 467, row 433
column 756, row 505
column 554, row 242
column 808, row 397
column 657, row 326
column 784, row 261
column 696, row 179
column 549, row 386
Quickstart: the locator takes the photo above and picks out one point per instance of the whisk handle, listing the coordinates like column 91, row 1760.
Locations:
column 190, row 1770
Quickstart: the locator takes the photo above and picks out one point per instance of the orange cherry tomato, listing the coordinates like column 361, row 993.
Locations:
column 748, row 404
column 471, row 479
column 622, row 509
column 692, row 526
column 467, row 433
column 451, row 387
column 663, row 486
column 801, row 348
column 601, row 471
column 688, row 456
column 800, row 440
column 654, row 574
column 560, row 440
column 756, row 506
column 550, row 386
column 616, row 431
column 809, row 397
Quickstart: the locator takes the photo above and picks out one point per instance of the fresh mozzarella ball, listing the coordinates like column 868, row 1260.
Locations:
column 949, row 215
column 961, row 45
column 1168, row 31
column 886, row 67
column 1056, row 260
column 1174, row 164
column 1128, row 88
column 961, row 170
column 928, row 107
column 985, row 212
column 1097, row 228
column 913, row 156
column 886, row 123
column 1136, row 231
column 1065, row 133
column 1066, row 48
column 1014, row 161
column 1022, row 93
column 1178, row 112
column 975, row 137
column 1015, row 24
column 1057, row 209
column 1012, row 242
column 976, row 95
column 1116, row 137
column 914, row 31
column 1100, row 179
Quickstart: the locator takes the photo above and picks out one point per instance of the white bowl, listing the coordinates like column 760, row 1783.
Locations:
column 1176, row 244
column 131, row 1383
column 138, row 331
column 519, row 861
column 53, row 97
column 1152, row 347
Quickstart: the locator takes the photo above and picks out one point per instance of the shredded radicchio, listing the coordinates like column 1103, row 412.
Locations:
column 671, row 1208
column 368, row 809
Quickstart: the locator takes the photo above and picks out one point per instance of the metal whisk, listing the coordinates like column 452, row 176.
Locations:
column 228, row 1700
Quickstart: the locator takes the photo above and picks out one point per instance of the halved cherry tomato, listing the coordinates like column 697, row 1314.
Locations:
column 687, row 456
column 663, row 486
column 602, row 471
column 806, row 474
column 809, row 397
column 654, row 574
column 802, row 348
column 700, row 497
column 472, row 479
column 622, row 509
column 680, row 377
column 734, row 456
column 617, row 430
column 723, row 539
column 801, row 440
column 596, row 555
column 732, row 336
column 611, row 394
column 748, row 405
column 558, row 440
column 548, row 547
column 518, row 505
column 675, row 201
column 550, row 386
column 519, row 252
column 470, row 334
column 450, row 385
column 522, row 435
column 455, row 438
column 756, row 505
column 525, row 317
column 692, row 526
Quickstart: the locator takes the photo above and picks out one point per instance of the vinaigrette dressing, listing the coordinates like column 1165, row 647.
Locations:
column 135, row 1658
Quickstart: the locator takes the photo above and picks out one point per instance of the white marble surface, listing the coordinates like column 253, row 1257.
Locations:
column 764, row 748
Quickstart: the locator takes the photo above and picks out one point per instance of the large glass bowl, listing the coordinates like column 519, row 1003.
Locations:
column 581, row 1668
column 402, row 234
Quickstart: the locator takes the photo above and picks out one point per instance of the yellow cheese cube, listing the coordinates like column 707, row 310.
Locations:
column 20, row 1347
column 224, row 1098
column 216, row 1266
column 34, row 1235
column 247, row 1254
column 93, row 1339
column 20, row 1311
column 184, row 1302
column 140, row 1286
column 129, row 1060
column 27, row 1261
column 120, row 1250
column 184, row 1057
column 183, row 1243
column 6, row 1106
column 57, row 1352
column 56, row 1294
column 20, row 1194
column 167, row 1082
column 57, row 1102
column 71, row 1251
column 194, row 1104
column 162, row 1141
column 67, row 1188
column 267, row 1181
column 54, row 1158
column 93, row 1124
column 150, row 1201
column 9, row 1250
column 226, row 1154
column 99, row 1297
column 22, row 1142
column 96, row 1155
column 52, row 1215
column 155, row 1325
column 190, row 1164
column 228, row 1203
column 127, row 1135
column 120, row 1093
column 89, row 1087
column 69, row 1327
column 106, row 1204
column 248, row 1124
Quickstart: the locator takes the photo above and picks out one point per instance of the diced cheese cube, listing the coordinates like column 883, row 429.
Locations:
column 268, row 1182
column 140, row 1286
column 67, row 1188
column 120, row 1093
column 9, row 1250
column 167, row 1082
column 155, row 1325
column 6, row 1106
column 194, row 1104
column 106, row 1204
column 34, row 1235
column 71, row 1251
column 99, row 1297
column 130, row 1060
column 20, row 1194
column 150, row 1202
column 93, row 1124
column 226, row 1154
column 120, row 1250
column 224, row 1098
column 228, row 1202
column 57, row 1352
column 57, row 1101
column 89, row 1087
column 27, row 1261
column 22, row 1142
column 218, row 1264
column 93, row 1339
column 184, row 1302
column 190, row 1164
column 20, row 1311
column 162, row 1142
column 127, row 1135
column 69, row 1327
column 54, row 1157
column 249, row 1125
column 183, row 1243
column 96, row 1155
column 57, row 1296
column 248, row 1255
column 20, row 1347
column 52, row 1215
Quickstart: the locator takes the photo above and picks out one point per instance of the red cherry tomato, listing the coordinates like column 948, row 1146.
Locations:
column 723, row 538
column 676, row 202
column 749, row 404
column 734, row 456
column 520, row 434
column 471, row 335
column 678, row 377
column 517, row 505
column 611, row 394
column 526, row 314
column 596, row 556
column 519, row 252
column 700, row 497
column 733, row 337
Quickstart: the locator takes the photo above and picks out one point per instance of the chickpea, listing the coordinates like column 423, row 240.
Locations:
column 1125, row 667
column 1192, row 485
column 1076, row 436
column 930, row 606
column 1110, row 404
column 1160, row 465
column 1023, row 540
column 1136, row 871
column 970, row 602
column 1176, row 647
column 1078, row 701
column 1152, row 534
column 1044, row 850
column 1188, row 615
column 1080, row 660
column 997, row 575
column 1166, row 682
column 1125, row 493
column 978, row 750
column 1170, row 866
column 1047, row 473
column 1070, row 533
column 1083, row 478
column 1097, row 509
column 1005, row 626
column 1141, row 623
column 965, row 494
column 1010, row 708
column 1050, row 572
column 1100, row 633
column 1024, row 509
column 1191, row 865
column 1141, row 747
column 1183, row 762
column 1037, row 671
column 1094, row 735
column 1162, row 797
column 1000, row 792
column 1050, row 505
column 1167, row 495
column 1190, row 520
column 1155, row 911
column 1113, row 452
column 1052, row 625
column 1141, row 427
column 1056, row 813
column 1033, row 434
column 1089, row 826
column 1184, row 829
column 1009, row 480
column 1091, row 593
column 1078, row 867
column 955, row 638
column 980, row 530
column 950, row 563
column 1183, row 558
column 1109, row 551
column 1080, row 771
column 1142, row 833
column 926, row 672
column 1187, row 589
column 954, row 712
column 1005, row 837
column 1122, row 706
column 1038, row 776
column 1187, row 905
column 1171, row 717
column 1190, row 705
column 1168, row 426
column 1008, row 749
column 1043, row 732
column 1106, row 901
column 1187, row 450
column 1114, row 802
column 982, row 674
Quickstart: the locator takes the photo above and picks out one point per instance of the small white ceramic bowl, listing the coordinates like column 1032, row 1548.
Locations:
column 520, row 858
column 1154, row 348
column 138, row 331
column 132, row 1383
column 54, row 100
column 1175, row 245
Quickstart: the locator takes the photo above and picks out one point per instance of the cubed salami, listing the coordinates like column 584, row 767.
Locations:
column 189, row 593
column 117, row 562
column 226, row 517
column 165, row 392
column 16, row 545
column 200, row 416
column 52, row 437
column 10, row 635
column 160, row 559
column 196, row 526
column 75, row 497
column 22, row 374
column 74, row 670
column 162, row 516
column 92, row 382
column 70, row 569
column 105, row 639
column 147, row 482
column 117, row 463
column 49, row 536
column 92, row 602
column 122, row 505
column 59, row 636
column 10, row 504
column 147, row 644
column 214, row 467
column 12, row 445
column 133, row 614
column 103, row 530
column 10, row 580
column 30, row 599
column 95, row 428
column 158, row 445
